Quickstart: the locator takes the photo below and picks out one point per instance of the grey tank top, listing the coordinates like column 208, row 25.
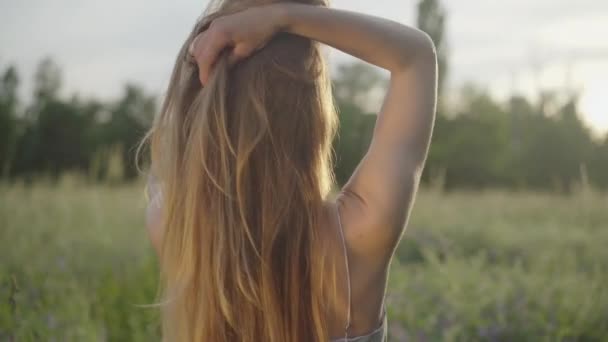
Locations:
column 378, row 335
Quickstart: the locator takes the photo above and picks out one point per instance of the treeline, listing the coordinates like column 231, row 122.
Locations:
column 480, row 143
column 53, row 135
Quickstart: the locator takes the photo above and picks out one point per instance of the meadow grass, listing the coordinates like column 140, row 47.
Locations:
column 480, row 266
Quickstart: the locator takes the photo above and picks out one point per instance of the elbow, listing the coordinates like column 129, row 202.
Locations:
column 418, row 50
column 426, row 47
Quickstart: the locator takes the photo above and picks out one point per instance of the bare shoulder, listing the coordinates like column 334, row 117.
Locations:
column 368, row 271
column 371, row 233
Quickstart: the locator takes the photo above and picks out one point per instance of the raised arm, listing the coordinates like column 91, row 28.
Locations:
column 375, row 203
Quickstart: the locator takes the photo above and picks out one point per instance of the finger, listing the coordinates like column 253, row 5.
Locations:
column 197, row 49
column 195, row 46
column 233, row 59
column 192, row 46
column 239, row 53
column 211, row 49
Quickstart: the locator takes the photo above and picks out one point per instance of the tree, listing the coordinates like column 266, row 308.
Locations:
column 130, row 118
column 55, row 135
column 47, row 80
column 352, row 88
column 598, row 165
column 432, row 19
column 475, row 152
column 483, row 143
column 355, row 82
column 8, row 118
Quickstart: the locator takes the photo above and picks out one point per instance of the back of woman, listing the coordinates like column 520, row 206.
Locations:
column 251, row 246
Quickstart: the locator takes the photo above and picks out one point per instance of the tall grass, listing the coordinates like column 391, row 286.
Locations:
column 491, row 266
column 76, row 265
column 503, row 267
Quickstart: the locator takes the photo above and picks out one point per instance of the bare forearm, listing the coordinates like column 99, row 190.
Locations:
column 406, row 121
column 378, row 41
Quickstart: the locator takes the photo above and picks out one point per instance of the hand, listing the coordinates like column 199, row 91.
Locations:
column 243, row 33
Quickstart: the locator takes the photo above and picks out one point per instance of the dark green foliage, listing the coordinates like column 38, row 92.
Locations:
column 483, row 143
column 130, row 118
column 56, row 142
column 480, row 143
column 471, row 148
column 8, row 118
column 432, row 20
column 53, row 135
column 598, row 165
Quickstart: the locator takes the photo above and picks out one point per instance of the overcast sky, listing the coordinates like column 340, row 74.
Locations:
column 508, row 46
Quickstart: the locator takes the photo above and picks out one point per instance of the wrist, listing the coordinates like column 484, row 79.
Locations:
column 281, row 13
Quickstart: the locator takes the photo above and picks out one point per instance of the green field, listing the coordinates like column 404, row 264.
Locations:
column 492, row 266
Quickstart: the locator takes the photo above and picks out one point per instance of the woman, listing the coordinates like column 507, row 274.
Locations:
column 251, row 246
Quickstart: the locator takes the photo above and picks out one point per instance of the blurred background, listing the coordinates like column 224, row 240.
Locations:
column 508, row 237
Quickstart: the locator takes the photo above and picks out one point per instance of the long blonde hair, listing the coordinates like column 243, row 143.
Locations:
column 245, row 166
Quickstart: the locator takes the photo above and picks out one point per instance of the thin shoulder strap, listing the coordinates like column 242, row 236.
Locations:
column 345, row 249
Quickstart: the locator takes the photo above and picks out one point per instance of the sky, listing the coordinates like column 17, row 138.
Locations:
column 515, row 46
